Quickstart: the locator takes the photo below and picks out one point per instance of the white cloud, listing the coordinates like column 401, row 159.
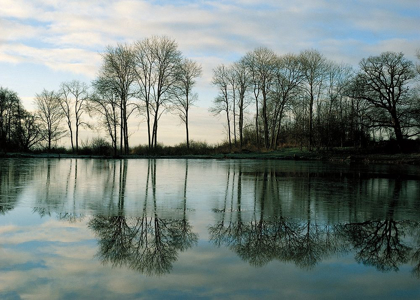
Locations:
column 409, row 48
column 75, row 60
column 211, row 28
column 21, row 9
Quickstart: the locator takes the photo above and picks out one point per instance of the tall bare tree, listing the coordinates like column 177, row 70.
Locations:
column 222, row 103
column 384, row 82
column 337, row 104
column 315, row 70
column 50, row 115
column 118, row 68
column 105, row 104
column 261, row 65
column 184, row 98
column 243, row 83
column 73, row 99
column 157, row 61
column 286, row 85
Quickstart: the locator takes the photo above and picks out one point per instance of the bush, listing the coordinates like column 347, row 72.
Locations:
column 196, row 148
column 98, row 146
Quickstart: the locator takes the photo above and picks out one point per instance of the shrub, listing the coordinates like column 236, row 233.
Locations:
column 98, row 146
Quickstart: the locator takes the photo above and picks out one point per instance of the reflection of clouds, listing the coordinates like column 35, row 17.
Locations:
column 8, row 229
column 199, row 272
column 50, row 231
column 53, row 259
column 65, row 251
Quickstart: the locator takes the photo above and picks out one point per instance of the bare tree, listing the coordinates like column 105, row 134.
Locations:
column 105, row 104
column 157, row 61
column 242, row 85
column 29, row 131
column 50, row 115
column 222, row 103
column 184, row 97
column 384, row 81
column 337, row 102
column 286, row 85
column 314, row 67
column 261, row 65
column 231, row 77
column 118, row 68
column 74, row 95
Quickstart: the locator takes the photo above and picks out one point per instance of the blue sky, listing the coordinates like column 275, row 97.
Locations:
column 46, row 42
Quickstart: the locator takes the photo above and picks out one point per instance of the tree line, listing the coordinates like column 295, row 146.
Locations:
column 309, row 101
column 267, row 100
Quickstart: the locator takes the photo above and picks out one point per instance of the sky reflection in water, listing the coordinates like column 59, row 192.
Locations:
column 135, row 229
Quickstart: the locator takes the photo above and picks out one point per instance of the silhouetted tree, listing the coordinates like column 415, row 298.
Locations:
column 73, row 99
column 384, row 82
column 117, row 72
column 157, row 62
column 184, row 98
column 223, row 102
column 243, row 83
column 50, row 116
column 105, row 104
column 315, row 70
column 261, row 65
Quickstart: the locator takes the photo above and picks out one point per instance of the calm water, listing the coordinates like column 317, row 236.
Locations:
column 232, row 229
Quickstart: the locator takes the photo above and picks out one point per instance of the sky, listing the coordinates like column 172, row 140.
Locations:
column 46, row 42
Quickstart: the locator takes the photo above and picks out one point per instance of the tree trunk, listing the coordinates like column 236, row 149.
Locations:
column 77, row 139
column 397, row 130
column 265, row 120
column 311, row 121
column 186, row 130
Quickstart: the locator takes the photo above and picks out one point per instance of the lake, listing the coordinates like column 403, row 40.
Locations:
column 208, row 229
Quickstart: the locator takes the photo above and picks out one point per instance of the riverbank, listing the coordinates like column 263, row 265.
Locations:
column 283, row 154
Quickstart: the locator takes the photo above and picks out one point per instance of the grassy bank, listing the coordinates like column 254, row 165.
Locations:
column 203, row 151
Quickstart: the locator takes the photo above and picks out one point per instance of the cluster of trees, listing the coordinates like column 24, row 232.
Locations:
column 268, row 100
column 144, row 78
column 151, row 71
column 308, row 100
column 18, row 128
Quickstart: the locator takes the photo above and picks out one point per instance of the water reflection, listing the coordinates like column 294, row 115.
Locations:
column 302, row 213
column 148, row 243
column 13, row 177
column 285, row 221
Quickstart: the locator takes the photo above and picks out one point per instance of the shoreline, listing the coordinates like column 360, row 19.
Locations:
column 368, row 158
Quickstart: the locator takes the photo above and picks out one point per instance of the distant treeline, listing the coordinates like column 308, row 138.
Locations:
column 268, row 101
column 309, row 101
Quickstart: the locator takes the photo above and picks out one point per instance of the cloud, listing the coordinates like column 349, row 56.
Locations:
column 75, row 60
column 396, row 45
column 227, row 29
column 20, row 9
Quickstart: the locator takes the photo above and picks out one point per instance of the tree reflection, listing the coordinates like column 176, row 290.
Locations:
column 267, row 235
column 14, row 175
column 264, row 214
column 378, row 243
column 148, row 243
